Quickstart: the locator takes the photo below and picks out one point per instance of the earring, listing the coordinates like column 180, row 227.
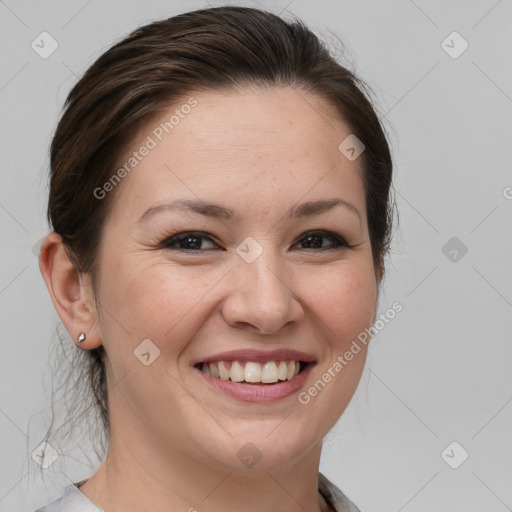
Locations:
column 81, row 337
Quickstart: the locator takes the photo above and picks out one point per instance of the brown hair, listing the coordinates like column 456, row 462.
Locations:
column 208, row 49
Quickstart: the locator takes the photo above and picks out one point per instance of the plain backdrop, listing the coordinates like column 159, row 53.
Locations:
column 437, row 384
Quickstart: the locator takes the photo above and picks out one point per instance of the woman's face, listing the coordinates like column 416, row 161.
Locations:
column 250, row 278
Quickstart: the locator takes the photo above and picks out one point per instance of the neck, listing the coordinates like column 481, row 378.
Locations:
column 132, row 479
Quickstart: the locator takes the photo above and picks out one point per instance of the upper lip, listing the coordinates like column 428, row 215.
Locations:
column 258, row 356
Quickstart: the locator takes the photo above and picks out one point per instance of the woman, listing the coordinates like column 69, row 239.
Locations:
column 220, row 205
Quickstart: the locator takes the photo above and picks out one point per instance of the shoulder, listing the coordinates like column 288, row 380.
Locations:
column 74, row 501
column 71, row 501
column 335, row 496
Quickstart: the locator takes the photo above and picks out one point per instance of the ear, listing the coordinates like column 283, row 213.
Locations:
column 379, row 275
column 376, row 305
column 70, row 291
column 375, row 313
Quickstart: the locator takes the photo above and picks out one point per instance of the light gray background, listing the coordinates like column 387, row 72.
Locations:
column 440, row 371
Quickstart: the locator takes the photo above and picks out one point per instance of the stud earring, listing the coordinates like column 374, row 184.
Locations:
column 81, row 337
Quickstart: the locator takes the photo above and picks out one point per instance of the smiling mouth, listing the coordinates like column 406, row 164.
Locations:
column 250, row 372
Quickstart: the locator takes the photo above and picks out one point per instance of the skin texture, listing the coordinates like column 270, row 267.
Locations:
column 174, row 438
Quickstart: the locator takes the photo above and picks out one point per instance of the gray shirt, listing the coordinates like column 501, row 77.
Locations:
column 73, row 500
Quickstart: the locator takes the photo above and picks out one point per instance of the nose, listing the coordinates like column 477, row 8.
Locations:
column 261, row 296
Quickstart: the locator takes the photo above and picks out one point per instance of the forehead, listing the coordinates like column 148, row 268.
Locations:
column 256, row 121
column 228, row 144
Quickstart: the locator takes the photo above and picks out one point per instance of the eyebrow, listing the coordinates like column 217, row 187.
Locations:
column 220, row 212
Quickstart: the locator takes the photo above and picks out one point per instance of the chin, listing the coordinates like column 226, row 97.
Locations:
column 252, row 450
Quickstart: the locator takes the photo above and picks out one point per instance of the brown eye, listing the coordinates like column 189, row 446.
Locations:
column 315, row 240
column 188, row 241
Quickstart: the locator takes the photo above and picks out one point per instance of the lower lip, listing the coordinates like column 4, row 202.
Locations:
column 255, row 392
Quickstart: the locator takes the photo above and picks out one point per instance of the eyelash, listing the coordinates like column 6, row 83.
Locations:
column 168, row 243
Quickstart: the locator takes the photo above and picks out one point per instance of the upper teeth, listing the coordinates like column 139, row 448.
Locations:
column 237, row 371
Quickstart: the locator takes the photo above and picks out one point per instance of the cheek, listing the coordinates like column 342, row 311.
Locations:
column 345, row 300
column 155, row 299
column 161, row 301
